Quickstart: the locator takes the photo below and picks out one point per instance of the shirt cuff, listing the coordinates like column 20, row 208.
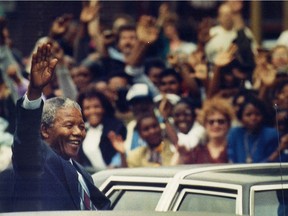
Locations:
column 34, row 104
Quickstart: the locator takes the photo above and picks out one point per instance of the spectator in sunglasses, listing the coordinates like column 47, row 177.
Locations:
column 216, row 116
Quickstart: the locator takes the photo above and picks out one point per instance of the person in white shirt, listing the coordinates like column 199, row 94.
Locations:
column 223, row 34
column 190, row 133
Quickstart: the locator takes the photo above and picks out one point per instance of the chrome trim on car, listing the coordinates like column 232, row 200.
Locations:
column 132, row 179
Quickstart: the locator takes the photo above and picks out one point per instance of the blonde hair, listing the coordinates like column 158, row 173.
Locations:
column 216, row 104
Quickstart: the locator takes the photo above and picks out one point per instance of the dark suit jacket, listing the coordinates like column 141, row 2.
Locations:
column 43, row 180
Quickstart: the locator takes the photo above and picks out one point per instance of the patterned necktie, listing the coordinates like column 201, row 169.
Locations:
column 85, row 201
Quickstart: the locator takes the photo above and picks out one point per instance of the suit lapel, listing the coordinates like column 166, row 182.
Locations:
column 72, row 181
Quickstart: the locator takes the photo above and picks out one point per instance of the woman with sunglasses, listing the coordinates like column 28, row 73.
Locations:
column 254, row 141
column 216, row 116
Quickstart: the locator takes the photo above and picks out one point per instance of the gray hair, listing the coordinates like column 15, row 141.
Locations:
column 52, row 105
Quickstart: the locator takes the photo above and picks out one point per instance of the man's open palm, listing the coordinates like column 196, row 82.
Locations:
column 42, row 68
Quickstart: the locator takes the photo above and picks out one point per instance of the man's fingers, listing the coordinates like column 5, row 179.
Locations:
column 52, row 64
column 48, row 52
column 34, row 59
column 44, row 53
column 38, row 55
column 41, row 53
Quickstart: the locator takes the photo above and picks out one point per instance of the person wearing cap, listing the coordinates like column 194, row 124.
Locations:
column 140, row 101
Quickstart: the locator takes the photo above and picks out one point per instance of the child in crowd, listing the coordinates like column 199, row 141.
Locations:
column 158, row 151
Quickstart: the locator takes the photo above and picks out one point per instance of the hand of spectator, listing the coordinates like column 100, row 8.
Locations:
column 235, row 5
column 225, row 57
column 184, row 154
column 117, row 142
column 204, row 31
column 165, row 107
column 42, row 70
column 201, row 71
column 57, row 51
column 196, row 58
column 283, row 143
column 266, row 73
column 172, row 59
column 282, row 146
column 90, row 11
column 60, row 24
column 163, row 13
column 147, row 31
column 12, row 73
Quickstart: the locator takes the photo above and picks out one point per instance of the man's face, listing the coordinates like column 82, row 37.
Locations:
column 225, row 17
column 67, row 132
column 127, row 40
column 280, row 58
column 81, row 77
column 169, row 84
column 150, row 131
column 154, row 74
column 116, row 83
column 183, row 117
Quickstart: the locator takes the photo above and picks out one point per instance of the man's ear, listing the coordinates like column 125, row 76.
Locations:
column 44, row 131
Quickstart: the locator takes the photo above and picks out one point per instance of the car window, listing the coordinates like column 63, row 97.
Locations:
column 134, row 199
column 270, row 202
column 197, row 200
column 269, row 199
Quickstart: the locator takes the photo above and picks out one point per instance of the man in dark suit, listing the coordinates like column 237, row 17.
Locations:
column 45, row 176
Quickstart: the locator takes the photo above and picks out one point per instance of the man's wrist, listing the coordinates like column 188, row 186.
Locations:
column 33, row 93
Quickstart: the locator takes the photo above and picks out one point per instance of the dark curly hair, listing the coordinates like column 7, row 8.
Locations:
column 89, row 93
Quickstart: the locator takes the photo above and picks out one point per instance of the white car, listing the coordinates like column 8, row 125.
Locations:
column 110, row 213
column 248, row 189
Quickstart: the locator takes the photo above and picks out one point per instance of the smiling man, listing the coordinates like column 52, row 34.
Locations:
column 46, row 178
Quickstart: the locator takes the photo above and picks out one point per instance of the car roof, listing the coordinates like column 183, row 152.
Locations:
column 225, row 173
column 162, row 171
column 260, row 174
column 112, row 213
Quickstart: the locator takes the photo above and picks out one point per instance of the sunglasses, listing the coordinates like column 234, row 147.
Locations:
column 219, row 121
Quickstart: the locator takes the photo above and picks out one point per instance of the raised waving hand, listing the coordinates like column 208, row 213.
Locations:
column 42, row 70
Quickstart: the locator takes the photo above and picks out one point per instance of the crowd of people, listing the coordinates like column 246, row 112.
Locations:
column 150, row 98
